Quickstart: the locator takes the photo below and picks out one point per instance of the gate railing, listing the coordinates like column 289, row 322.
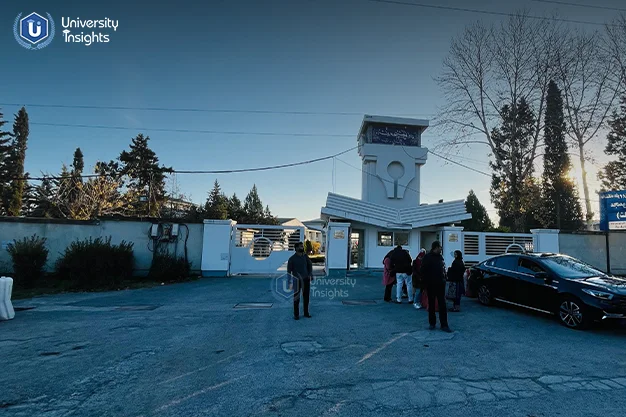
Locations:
column 262, row 249
column 479, row 246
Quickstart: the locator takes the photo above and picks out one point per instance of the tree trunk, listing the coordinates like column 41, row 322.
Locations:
column 581, row 151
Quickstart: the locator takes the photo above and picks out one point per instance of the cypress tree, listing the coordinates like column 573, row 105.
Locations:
column 5, row 165
column 560, row 206
column 513, row 189
column 18, row 183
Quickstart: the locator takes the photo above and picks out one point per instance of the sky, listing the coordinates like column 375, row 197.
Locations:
column 327, row 56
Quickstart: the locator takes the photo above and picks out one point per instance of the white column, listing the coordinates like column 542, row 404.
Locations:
column 337, row 248
column 452, row 239
column 545, row 240
column 216, row 245
column 6, row 308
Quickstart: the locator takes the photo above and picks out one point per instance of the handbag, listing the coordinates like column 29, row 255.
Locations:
column 451, row 290
column 425, row 302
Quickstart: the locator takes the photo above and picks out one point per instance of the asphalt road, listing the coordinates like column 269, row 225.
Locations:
column 183, row 350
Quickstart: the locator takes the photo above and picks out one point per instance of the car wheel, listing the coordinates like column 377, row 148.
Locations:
column 484, row 295
column 573, row 313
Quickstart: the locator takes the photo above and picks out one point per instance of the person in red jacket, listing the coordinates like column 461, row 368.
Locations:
column 417, row 279
column 389, row 277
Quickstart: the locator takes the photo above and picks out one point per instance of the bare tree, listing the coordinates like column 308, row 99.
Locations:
column 616, row 47
column 99, row 196
column 589, row 89
column 489, row 68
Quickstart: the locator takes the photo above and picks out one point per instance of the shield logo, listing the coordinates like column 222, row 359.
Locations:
column 33, row 31
column 285, row 286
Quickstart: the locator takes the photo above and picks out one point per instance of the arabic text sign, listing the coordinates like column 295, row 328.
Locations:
column 395, row 135
column 613, row 210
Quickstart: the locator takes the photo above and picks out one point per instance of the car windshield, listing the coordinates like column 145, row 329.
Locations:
column 571, row 268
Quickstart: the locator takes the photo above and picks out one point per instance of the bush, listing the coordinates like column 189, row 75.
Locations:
column 316, row 248
column 308, row 247
column 29, row 257
column 96, row 263
column 166, row 267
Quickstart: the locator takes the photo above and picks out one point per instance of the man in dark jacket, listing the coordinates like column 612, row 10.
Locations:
column 434, row 276
column 402, row 265
column 300, row 268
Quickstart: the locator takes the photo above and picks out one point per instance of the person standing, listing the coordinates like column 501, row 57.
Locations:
column 417, row 280
column 456, row 281
column 402, row 265
column 389, row 277
column 434, row 275
column 300, row 268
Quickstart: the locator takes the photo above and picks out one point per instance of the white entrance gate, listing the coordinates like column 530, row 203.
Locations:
column 261, row 249
column 478, row 246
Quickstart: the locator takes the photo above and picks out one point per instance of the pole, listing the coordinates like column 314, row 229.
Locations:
column 608, row 253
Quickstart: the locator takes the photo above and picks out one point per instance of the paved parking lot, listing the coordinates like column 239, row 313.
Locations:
column 183, row 350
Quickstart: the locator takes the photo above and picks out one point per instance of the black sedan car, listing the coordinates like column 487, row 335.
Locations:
column 577, row 293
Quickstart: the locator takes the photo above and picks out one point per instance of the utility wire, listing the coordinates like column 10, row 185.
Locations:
column 229, row 171
column 459, row 164
column 589, row 6
column 195, row 110
column 213, row 132
column 488, row 12
column 453, row 162
column 233, row 171
column 383, row 179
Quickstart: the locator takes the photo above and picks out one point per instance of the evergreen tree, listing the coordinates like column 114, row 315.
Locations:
column 18, row 183
column 480, row 221
column 216, row 206
column 44, row 197
column 268, row 218
column 253, row 211
column 145, row 177
column 560, row 206
column 76, row 183
column 235, row 209
column 513, row 191
column 78, row 164
column 613, row 175
column 5, row 166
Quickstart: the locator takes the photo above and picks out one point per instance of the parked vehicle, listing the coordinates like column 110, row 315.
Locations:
column 576, row 292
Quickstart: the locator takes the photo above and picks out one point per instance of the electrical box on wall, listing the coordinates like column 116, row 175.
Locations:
column 167, row 231
column 154, row 231
column 175, row 228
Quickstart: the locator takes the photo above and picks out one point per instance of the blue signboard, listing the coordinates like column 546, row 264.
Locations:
column 613, row 210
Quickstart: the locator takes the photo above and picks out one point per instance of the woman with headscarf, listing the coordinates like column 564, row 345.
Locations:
column 417, row 279
column 389, row 277
column 456, row 287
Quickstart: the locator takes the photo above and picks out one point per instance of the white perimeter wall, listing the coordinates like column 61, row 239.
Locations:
column 60, row 234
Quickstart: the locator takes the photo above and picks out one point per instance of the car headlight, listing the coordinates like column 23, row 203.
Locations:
column 598, row 294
